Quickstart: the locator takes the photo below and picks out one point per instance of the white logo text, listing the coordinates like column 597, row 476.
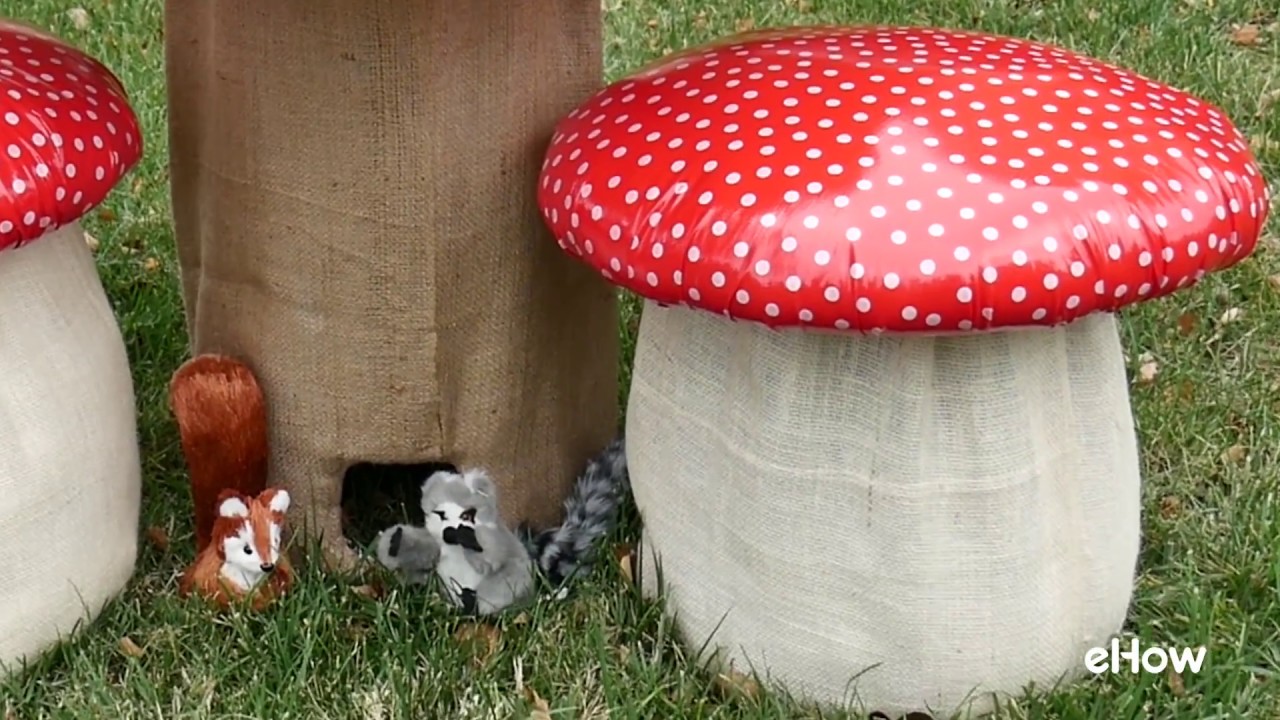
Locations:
column 1154, row 660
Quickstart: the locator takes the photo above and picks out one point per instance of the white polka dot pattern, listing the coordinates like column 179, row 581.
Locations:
column 899, row 179
column 67, row 134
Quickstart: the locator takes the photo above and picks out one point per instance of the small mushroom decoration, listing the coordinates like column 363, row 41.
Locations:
column 70, row 475
column 878, row 388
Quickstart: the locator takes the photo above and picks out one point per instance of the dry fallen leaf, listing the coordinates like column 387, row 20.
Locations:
column 1170, row 507
column 653, row 23
column 151, row 264
column 520, row 620
column 203, row 690
column 481, row 638
column 1247, row 34
column 1187, row 323
column 92, row 242
column 517, row 673
column 130, row 648
column 371, row 704
column 1148, row 371
column 1231, row 315
column 1092, row 15
column 370, row 592
column 355, row 630
column 1176, row 686
column 79, row 17
column 745, row 24
column 106, row 214
column 733, row 683
column 541, row 711
column 1260, row 143
column 625, row 554
column 1274, row 280
column 1267, row 100
column 158, row 538
column 1235, row 454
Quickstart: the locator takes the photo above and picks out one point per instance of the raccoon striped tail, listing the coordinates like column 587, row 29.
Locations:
column 591, row 512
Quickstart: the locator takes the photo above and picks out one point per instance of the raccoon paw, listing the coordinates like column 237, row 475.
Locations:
column 390, row 542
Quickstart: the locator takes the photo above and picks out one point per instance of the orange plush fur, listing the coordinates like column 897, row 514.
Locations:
column 248, row 527
column 222, row 422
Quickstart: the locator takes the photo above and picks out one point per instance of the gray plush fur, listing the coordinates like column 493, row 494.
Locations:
column 590, row 513
column 482, row 566
column 411, row 551
column 506, row 561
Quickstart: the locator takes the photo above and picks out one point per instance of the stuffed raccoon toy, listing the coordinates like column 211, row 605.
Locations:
column 486, row 568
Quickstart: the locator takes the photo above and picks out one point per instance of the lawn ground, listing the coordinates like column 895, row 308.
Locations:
column 1206, row 393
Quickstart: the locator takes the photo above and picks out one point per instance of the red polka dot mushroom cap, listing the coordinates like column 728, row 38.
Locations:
column 899, row 179
column 67, row 134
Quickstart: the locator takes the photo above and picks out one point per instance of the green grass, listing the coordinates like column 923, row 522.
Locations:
column 1210, row 568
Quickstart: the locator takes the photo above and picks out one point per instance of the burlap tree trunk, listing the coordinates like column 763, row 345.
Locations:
column 354, row 201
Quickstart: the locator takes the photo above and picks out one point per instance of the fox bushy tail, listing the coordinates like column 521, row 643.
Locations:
column 591, row 512
column 222, row 424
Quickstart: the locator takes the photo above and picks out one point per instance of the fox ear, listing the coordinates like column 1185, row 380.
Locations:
column 277, row 500
column 233, row 507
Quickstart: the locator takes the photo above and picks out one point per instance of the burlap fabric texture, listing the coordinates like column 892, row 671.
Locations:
column 892, row 523
column 354, row 199
column 70, row 486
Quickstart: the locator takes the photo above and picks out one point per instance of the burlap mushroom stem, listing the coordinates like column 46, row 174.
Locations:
column 878, row 387
column 70, row 487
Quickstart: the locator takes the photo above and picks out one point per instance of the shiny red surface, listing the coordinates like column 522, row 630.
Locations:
column 67, row 134
column 899, row 179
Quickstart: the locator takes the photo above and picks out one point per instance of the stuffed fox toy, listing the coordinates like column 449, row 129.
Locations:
column 222, row 422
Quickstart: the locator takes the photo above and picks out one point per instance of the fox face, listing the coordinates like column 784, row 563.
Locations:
column 248, row 533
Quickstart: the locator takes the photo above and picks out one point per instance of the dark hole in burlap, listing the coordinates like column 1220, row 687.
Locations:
column 377, row 496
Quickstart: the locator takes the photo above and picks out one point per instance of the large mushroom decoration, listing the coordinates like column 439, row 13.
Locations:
column 879, row 428
column 70, row 484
